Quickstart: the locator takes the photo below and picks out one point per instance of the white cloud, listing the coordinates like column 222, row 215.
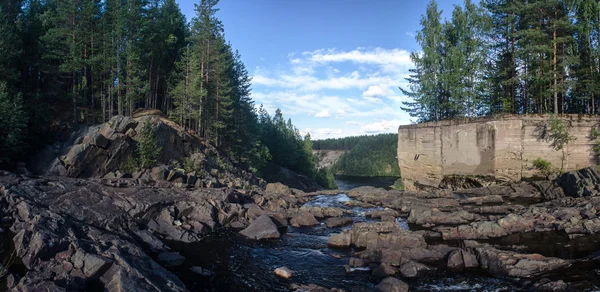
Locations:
column 323, row 114
column 375, row 91
column 383, row 126
column 361, row 55
column 356, row 89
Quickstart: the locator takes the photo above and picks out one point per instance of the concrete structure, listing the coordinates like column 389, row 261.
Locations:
column 503, row 147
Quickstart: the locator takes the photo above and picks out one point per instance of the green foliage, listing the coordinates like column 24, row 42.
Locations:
column 130, row 166
column 595, row 134
column 148, row 148
column 371, row 156
column 558, row 133
column 544, row 167
column 398, row 185
column 13, row 125
column 326, row 179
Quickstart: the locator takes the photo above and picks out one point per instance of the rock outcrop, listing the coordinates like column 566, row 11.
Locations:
column 74, row 234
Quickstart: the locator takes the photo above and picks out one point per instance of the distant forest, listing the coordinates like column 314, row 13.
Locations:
column 506, row 56
column 367, row 156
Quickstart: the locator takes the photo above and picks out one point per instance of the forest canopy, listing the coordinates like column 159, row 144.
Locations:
column 506, row 56
column 70, row 63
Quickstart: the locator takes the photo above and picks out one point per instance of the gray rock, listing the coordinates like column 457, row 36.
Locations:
column 337, row 222
column 261, row 228
column 303, row 220
column 170, row 259
column 391, row 284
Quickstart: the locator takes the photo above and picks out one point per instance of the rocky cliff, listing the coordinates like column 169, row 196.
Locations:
column 327, row 158
column 104, row 151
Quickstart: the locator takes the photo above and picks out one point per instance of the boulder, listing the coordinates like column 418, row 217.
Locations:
column 391, row 284
column 202, row 272
column 383, row 270
column 100, row 141
column 337, row 222
column 283, row 272
column 278, row 188
column 170, row 259
column 261, row 228
column 303, row 220
column 502, row 263
column 461, row 259
column 580, row 183
column 343, row 239
column 412, row 269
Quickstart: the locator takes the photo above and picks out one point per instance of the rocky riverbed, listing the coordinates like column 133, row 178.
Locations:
column 122, row 234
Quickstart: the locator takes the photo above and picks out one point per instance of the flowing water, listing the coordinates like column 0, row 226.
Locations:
column 238, row 264
column 243, row 265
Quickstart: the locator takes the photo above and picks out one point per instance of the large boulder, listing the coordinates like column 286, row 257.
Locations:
column 303, row 220
column 261, row 228
column 580, row 183
column 391, row 284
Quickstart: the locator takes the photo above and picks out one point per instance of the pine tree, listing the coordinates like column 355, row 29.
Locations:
column 13, row 125
column 424, row 83
column 186, row 90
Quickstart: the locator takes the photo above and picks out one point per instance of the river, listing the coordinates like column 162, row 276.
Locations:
column 237, row 264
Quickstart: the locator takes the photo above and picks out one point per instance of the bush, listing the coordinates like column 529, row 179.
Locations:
column 130, row 166
column 398, row 185
column 325, row 178
column 544, row 167
column 148, row 148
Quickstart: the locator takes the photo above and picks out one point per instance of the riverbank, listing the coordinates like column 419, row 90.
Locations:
column 134, row 235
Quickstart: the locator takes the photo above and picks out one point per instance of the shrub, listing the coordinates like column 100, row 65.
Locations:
column 130, row 166
column 325, row 178
column 398, row 185
column 148, row 148
column 544, row 167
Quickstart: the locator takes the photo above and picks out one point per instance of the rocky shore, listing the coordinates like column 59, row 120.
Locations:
column 114, row 234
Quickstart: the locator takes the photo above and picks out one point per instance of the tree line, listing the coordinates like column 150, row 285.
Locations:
column 506, row 56
column 88, row 60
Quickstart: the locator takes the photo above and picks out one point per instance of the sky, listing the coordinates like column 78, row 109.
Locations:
column 332, row 66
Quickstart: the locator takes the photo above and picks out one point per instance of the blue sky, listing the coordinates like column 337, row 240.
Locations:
column 332, row 66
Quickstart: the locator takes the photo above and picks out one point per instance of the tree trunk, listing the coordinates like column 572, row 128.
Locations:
column 555, row 67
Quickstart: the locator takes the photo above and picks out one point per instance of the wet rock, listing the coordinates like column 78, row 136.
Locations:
column 546, row 284
column 434, row 216
column 383, row 270
column 343, row 239
column 202, row 272
column 461, row 259
column 384, row 235
column 170, row 259
column 391, row 284
column 376, row 214
column 337, row 222
column 262, row 228
column 283, row 272
column 312, row 288
column 512, row 264
column 304, row 220
column 412, row 269
column 324, row 212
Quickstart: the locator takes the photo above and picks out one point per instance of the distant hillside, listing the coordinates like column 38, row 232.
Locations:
column 367, row 155
column 327, row 158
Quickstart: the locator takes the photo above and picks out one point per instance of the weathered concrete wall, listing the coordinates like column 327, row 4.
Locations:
column 501, row 147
